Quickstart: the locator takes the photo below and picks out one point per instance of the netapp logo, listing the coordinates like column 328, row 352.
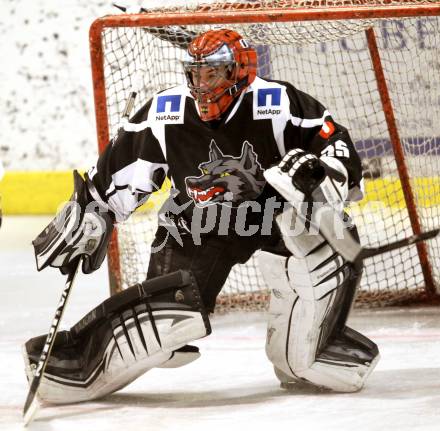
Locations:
column 272, row 94
column 169, row 109
column 167, row 117
column 268, row 103
column 170, row 103
column 268, row 111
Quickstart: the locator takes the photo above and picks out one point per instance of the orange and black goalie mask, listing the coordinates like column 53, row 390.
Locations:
column 219, row 65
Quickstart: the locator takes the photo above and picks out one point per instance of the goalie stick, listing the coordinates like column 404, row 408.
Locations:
column 366, row 252
column 31, row 405
column 331, row 223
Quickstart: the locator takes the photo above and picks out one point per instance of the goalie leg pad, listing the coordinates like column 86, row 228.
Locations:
column 282, row 298
column 307, row 339
column 145, row 326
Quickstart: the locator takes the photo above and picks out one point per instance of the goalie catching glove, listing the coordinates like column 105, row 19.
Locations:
column 81, row 229
column 302, row 177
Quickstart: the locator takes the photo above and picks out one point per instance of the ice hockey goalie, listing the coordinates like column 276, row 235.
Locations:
column 248, row 159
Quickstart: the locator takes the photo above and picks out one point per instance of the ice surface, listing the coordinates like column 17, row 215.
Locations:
column 232, row 386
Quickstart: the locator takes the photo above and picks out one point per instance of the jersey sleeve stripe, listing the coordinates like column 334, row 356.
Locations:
column 308, row 123
column 129, row 186
column 136, row 127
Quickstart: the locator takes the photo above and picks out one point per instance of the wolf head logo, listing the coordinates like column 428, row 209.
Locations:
column 227, row 179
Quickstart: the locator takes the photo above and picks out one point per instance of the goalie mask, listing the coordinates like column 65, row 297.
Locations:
column 219, row 65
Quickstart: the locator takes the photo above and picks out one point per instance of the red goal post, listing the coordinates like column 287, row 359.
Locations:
column 287, row 21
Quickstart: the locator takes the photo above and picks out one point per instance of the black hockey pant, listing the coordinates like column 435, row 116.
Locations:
column 210, row 262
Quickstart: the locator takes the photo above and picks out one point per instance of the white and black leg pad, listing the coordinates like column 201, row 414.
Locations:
column 307, row 339
column 145, row 326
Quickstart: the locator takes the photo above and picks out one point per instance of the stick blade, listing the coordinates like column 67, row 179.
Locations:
column 32, row 405
column 31, row 410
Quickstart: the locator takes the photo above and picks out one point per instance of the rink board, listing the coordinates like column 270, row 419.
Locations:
column 43, row 192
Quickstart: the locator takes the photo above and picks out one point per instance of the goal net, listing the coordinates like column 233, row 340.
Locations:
column 375, row 64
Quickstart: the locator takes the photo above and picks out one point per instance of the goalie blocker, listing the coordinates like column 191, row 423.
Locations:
column 82, row 228
column 145, row 326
